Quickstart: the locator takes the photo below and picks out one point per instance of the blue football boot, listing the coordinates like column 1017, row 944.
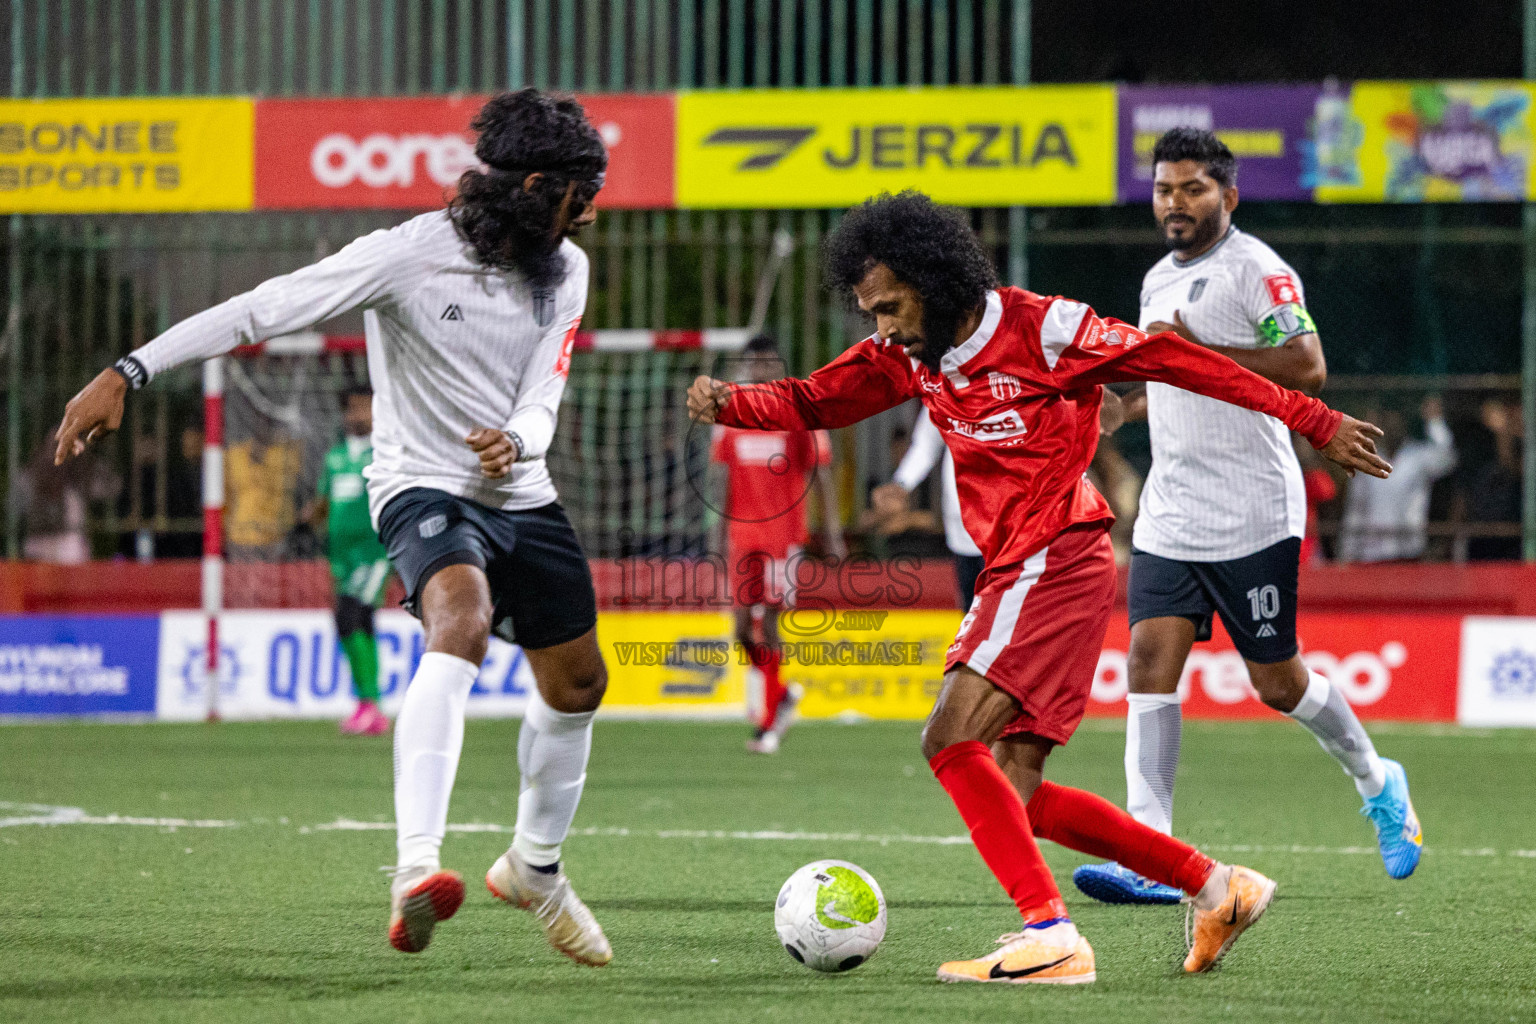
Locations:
column 1111, row 883
column 1398, row 831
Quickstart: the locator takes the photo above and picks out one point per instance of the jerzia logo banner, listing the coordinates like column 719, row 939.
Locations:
column 1041, row 145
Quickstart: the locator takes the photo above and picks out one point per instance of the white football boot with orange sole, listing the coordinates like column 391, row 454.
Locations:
column 419, row 898
column 568, row 924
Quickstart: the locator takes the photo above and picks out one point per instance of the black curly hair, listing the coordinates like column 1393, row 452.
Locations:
column 521, row 132
column 928, row 246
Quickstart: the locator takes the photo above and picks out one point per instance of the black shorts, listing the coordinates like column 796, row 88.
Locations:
column 541, row 587
column 1255, row 596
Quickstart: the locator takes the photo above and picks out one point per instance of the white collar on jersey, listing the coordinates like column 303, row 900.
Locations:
column 969, row 349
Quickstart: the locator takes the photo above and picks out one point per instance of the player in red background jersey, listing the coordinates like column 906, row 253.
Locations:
column 769, row 476
column 1014, row 382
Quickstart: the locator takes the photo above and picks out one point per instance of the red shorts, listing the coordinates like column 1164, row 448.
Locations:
column 1034, row 630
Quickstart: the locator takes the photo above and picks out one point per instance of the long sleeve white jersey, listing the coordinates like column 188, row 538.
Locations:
column 452, row 347
column 1225, row 482
column 925, row 449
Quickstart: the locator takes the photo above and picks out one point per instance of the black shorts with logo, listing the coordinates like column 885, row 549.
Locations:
column 541, row 587
column 1255, row 596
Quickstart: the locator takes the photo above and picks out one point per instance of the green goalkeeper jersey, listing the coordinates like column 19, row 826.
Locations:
column 350, row 539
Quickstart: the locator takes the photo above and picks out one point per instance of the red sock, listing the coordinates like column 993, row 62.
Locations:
column 999, row 827
column 1090, row 824
column 766, row 658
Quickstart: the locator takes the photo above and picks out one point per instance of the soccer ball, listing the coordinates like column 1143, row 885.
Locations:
column 830, row 915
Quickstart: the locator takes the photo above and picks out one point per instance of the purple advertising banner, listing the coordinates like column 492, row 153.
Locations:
column 1265, row 126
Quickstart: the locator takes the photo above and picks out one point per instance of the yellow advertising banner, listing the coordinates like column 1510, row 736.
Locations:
column 1425, row 142
column 138, row 155
column 865, row 663
column 1033, row 145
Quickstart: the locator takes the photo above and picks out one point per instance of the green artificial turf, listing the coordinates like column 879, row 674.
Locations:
column 276, row 920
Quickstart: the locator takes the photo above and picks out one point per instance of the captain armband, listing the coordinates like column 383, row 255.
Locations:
column 1283, row 323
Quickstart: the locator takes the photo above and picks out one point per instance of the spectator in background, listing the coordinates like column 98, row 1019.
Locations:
column 1493, row 492
column 1321, row 488
column 182, row 465
column 1386, row 520
column 51, row 502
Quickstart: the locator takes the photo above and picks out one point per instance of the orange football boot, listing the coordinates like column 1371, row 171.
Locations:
column 1214, row 931
column 1057, row 955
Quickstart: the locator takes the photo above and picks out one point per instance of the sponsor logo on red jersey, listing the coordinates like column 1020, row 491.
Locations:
column 1282, row 289
column 1001, row 426
column 1100, row 334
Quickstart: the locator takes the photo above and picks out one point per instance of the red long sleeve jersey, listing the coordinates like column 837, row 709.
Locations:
column 1018, row 405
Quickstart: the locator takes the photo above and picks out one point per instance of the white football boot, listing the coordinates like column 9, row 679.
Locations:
column 568, row 924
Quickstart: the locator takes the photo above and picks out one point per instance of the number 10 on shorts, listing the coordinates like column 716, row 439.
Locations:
column 1264, row 601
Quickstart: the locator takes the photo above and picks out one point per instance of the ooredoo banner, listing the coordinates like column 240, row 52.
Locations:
column 1267, row 127
column 1390, row 667
column 407, row 153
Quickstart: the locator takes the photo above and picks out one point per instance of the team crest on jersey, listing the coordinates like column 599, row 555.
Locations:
column 543, row 306
column 930, row 385
column 1005, row 386
column 1197, row 289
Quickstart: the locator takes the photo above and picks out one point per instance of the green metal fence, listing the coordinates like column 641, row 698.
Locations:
column 1400, row 290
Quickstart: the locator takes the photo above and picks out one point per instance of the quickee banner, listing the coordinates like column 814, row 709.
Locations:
column 1044, row 145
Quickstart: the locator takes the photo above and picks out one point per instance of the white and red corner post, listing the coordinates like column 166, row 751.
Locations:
column 213, row 519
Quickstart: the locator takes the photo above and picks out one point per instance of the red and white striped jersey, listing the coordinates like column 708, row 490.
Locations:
column 1018, row 405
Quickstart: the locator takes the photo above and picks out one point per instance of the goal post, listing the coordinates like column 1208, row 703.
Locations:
column 630, row 468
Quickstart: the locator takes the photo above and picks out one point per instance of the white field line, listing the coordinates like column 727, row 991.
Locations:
column 43, row 814
column 774, row 835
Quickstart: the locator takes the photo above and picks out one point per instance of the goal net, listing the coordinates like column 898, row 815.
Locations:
column 632, row 471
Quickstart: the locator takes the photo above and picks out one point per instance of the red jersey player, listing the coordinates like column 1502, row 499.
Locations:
column 1013, row 380
column 769, row 474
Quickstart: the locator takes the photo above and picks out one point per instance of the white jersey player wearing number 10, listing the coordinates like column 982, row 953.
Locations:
column 1223, row 512
column 471, row 313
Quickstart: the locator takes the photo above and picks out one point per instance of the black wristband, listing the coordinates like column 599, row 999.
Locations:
column 132, row 371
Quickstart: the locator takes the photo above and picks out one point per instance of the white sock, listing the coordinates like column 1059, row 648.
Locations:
column 1328, row 716
column 1154, row 726
column 1214, row 891
column 552, row 750
column 429, row 734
